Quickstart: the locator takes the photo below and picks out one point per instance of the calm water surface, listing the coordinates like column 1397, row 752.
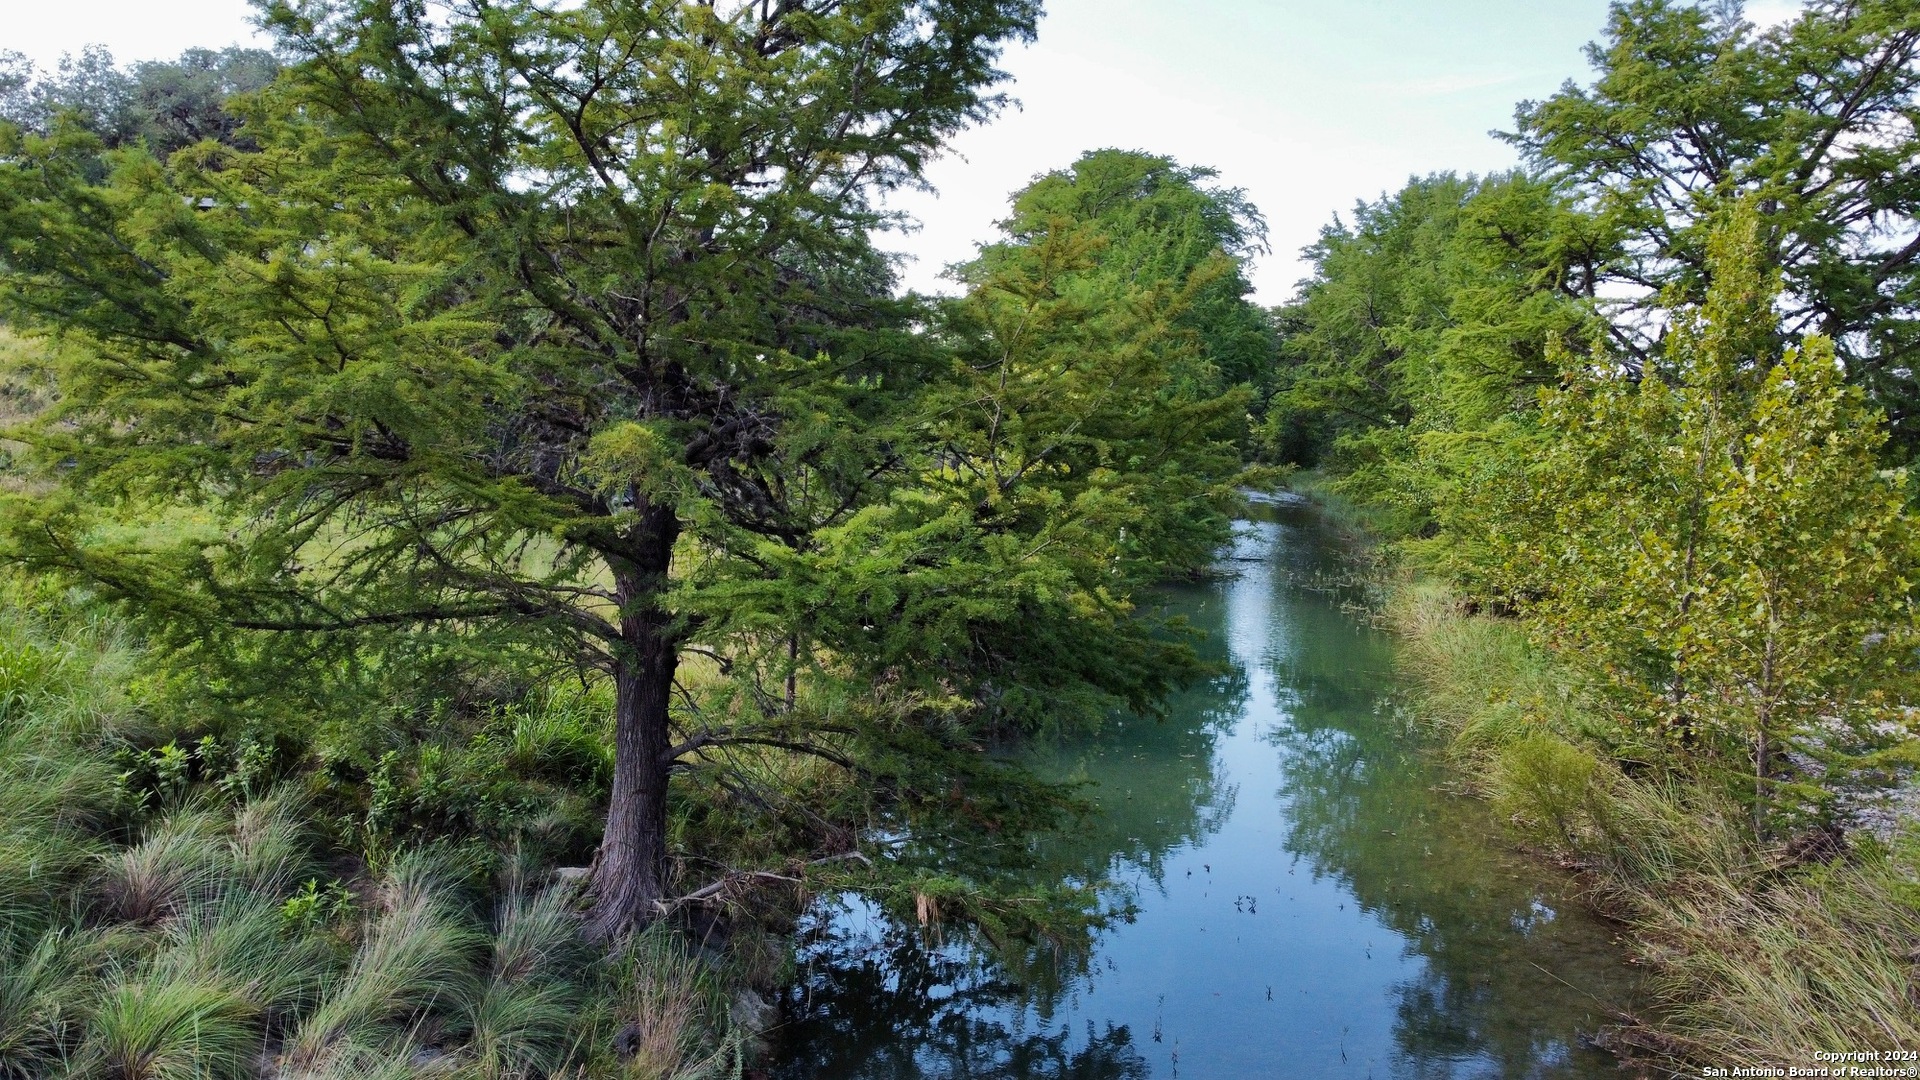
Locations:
column 1308, row 902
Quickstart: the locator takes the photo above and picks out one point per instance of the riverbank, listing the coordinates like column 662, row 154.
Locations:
column 1765, row 954
column 177, row 902
column 1305, row 896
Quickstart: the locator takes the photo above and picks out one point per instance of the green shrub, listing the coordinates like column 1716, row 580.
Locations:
column 1547, row 786
column 535, row 775
column 1760, row 958
column 315, row 906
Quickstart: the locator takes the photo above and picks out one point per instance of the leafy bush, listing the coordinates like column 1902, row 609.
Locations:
column 1547, row 785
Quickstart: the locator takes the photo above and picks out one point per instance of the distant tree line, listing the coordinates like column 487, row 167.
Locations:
column 165, row 104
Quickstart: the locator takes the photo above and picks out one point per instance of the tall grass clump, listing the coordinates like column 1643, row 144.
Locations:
column 176, row 864
column 1764, row 952
column 518, row 1022
column 163, row 1029
column 164, row 922
column 416, row 952
column 671, row 1012
column 1821, row 960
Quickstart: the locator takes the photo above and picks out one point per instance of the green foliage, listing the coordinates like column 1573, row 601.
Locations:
column 202, row 938
column 163, row 104
column 1546, row 783
column 534, row 773
column 1374, row 281
column 577, row 399
column 1427, row 326
column 1694, row 110
column 1069, row 467
column 1724, row 549
column 314, row 907
column 1161, row 223
column 1754, row 955
column 1411, row 363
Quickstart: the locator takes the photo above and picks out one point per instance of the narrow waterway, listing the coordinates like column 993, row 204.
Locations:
column 1308, row 901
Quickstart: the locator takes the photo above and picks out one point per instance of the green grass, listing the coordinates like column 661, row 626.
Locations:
column 518, row 1021
column 1760, row 960
column 178, row 931
column 161, row 1028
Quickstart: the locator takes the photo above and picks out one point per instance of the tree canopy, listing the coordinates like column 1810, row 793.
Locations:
column 504, row 307
column 1162, row 221
column 1695, row 109
column 166, row 104
column 1642, row 391
column 560, row 331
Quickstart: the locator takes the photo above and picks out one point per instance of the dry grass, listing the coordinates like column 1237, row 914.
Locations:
column 1764, row 976
column 668, row 1008
column 1761, row 962
column 138, row 944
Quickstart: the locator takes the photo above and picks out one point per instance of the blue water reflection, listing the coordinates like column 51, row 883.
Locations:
column 1308, row 901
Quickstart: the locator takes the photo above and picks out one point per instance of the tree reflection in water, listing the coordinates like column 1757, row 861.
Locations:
column 880, row 1003
column 1365, row 809
column 1474, row 962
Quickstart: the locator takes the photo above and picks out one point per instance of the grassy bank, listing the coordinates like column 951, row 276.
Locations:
column 174, row 908
column 1765, row 953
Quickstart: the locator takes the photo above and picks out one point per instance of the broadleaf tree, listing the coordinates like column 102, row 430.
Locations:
column 1719, row 544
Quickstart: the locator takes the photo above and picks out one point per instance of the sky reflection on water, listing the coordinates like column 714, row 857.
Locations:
column 1307, row 903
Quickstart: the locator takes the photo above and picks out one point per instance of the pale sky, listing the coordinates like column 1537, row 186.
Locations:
column 1307, row 104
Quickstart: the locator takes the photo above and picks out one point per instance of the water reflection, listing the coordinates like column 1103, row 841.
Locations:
column 1306, row 902
column 879, row 1003
column 1499, row 967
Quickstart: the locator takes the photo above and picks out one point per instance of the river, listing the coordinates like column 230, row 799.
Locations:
column 1308, row 900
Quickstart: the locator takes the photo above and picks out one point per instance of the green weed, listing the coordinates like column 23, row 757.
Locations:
column 201, row 919
column 1761, row 959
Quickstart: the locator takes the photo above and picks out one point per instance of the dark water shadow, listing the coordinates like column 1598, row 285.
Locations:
column 1309, row 901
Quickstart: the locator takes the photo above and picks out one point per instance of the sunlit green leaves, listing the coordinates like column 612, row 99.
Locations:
column 1720, row 544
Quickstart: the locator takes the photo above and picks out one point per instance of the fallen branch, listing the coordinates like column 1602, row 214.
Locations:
column 736, row 877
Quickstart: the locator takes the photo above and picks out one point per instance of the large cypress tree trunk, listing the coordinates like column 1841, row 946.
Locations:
column 630, row 872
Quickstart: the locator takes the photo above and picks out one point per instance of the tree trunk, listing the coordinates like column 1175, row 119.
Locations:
column 793, row 669
column 1677, row 686
column 1763, row 745
column 630, row 872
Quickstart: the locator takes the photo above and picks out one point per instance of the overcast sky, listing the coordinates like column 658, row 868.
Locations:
column 1307, row 104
